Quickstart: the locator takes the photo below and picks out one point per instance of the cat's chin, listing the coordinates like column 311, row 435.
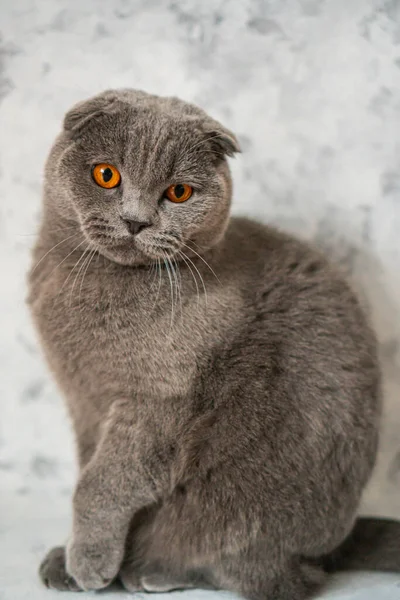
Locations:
column 125, row 255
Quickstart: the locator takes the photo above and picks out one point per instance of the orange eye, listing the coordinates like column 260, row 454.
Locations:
column 106, row 176
column 179, row 193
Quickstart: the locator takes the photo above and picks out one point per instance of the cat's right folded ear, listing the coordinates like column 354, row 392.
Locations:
column 83, row 112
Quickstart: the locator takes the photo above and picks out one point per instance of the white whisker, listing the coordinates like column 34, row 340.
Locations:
column 200, row 276
column 86, row 254
column 71, row 271
column 193, row 275
column 172, row 292
column 204, row 261
column 153, row 275
column 159, row 285
column 68, row 255
column 179, row 275
column 84, row 273
column 177, row 286
column 53, row 248
column 47, row 231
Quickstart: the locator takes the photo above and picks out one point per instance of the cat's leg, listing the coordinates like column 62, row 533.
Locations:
column 158, row 580
column 124, row 474
column 153, row 561
column 253, row 578
column 52, row 570
column 252, row 573
column 180, row 545
column 53, row 573
column 168, row 582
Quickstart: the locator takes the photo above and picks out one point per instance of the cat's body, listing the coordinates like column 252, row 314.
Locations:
column 226, row 414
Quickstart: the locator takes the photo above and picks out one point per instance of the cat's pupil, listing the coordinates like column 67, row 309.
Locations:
column 107, row 175
column 179, row 191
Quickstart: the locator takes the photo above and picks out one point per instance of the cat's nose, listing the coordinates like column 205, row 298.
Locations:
column 135, row 226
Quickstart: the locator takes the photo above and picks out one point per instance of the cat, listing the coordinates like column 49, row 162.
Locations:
column 221, row 377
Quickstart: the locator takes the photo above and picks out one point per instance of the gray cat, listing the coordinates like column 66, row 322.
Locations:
column 221, row 377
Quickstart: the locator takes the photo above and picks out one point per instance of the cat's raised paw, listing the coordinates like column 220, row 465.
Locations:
column 53, row 572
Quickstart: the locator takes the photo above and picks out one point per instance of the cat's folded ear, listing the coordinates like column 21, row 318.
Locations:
column 83, row 112
column 221, row 139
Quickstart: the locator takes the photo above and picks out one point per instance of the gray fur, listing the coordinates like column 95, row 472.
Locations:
column 221, row 377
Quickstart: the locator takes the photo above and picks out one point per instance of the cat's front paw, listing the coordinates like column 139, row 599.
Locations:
column 53, row 572
column 92, row 565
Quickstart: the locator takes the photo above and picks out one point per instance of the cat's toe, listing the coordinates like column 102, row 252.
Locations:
column 130, row 579
column 93, row 566
column 53, row 573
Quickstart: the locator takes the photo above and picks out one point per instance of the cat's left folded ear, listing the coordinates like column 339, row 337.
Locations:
column 221, row 139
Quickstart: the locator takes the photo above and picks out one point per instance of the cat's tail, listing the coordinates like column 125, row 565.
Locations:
column 372, row 545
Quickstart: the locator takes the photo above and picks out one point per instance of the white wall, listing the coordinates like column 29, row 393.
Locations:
column 311, row 88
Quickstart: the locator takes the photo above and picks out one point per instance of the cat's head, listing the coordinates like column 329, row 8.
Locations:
column 142, row 176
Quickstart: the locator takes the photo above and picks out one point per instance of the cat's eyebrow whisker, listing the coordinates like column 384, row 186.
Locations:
column 204, row 261
column 184, row 257
column 53, row 248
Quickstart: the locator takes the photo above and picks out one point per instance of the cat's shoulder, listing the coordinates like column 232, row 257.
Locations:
column 261, row 253
column 252, row 239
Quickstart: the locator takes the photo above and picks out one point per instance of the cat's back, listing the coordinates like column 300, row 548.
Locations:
column 252, row 246
column 277, row 269
column 299, row 309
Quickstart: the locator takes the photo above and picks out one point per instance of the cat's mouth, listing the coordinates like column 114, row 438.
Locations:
column 147, row 245
column 165, row 245
column 137, row 249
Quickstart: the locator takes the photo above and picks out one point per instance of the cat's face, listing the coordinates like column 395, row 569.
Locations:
column 143, row 177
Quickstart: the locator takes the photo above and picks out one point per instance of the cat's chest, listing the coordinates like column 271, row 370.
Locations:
column 139, row 338
column 155, row 349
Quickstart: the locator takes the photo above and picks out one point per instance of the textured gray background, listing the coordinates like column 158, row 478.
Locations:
column 312, row 89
